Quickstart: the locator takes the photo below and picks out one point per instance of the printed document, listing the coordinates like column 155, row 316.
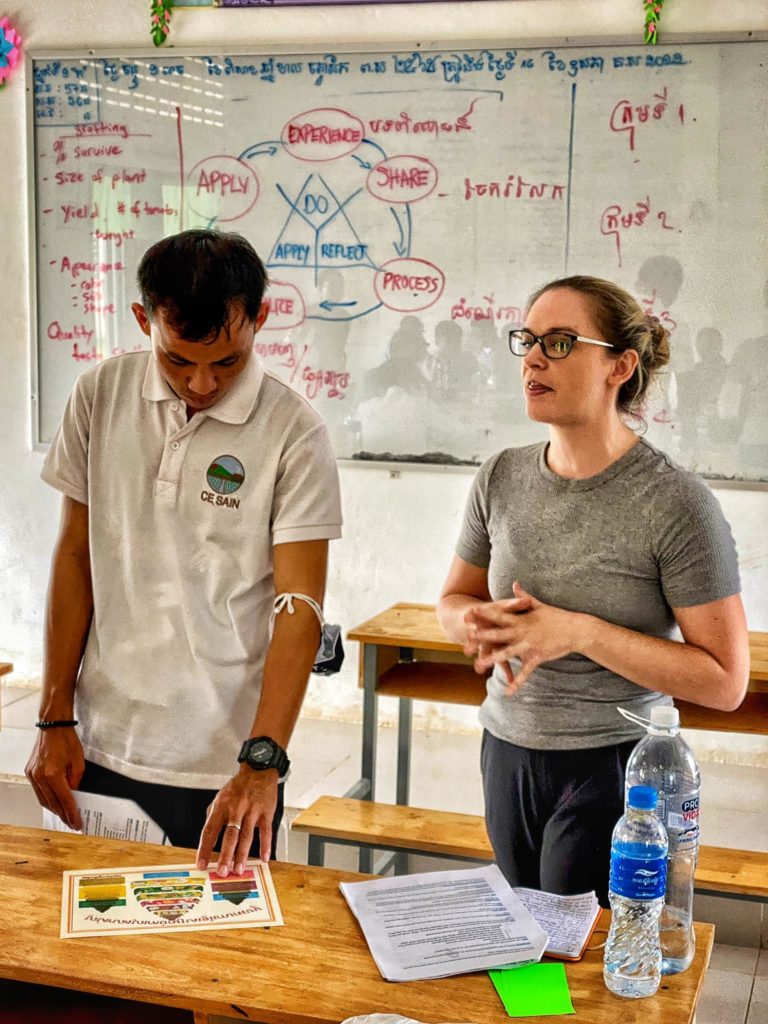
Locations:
column 440, row 923
column 166, row 898
column 110, row 817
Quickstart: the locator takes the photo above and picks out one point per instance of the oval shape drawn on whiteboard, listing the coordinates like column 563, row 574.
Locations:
column 222, row 187
column 408, row 285
column 402, row 179
column 286, row 306
column 325, row 133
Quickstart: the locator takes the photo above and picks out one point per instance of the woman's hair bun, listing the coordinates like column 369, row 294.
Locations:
column 656, row 355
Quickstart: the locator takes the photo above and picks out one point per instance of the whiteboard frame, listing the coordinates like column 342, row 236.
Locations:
column 393, row 468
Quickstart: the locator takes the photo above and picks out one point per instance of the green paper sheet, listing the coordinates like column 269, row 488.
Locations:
column 535, row 990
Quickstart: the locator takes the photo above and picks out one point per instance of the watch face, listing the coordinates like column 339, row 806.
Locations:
column 260, row 753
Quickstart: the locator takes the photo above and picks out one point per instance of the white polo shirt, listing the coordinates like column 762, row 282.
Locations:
column 183, row 518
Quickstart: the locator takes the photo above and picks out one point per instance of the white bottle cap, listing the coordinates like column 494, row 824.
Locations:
column 665, row 716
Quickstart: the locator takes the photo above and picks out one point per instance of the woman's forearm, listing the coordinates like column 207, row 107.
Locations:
column 681, row 670
column 451, row 610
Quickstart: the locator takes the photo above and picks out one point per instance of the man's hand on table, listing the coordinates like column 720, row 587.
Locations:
column 248, row 800
column 55, row 768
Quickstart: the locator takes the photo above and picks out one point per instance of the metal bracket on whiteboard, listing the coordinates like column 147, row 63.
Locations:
column 377, row 46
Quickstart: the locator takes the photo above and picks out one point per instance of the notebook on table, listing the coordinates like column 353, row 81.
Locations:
column 569, row 921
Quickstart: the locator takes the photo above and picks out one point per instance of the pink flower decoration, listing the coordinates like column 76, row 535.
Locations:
column 10, row 47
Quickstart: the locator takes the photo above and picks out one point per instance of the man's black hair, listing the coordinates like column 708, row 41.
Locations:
column 199, row 278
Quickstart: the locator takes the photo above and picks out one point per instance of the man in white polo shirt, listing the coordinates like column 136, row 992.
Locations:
column 197, row 487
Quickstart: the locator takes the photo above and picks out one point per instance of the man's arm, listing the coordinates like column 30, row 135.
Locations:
column 250, row 797
column 56, row 763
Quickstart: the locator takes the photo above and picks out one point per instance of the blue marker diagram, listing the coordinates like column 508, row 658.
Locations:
column 334, row 219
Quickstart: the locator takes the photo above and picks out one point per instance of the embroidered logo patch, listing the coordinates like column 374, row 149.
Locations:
column 225, row 474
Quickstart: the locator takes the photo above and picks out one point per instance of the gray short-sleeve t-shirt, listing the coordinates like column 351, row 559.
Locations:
column 628, row 545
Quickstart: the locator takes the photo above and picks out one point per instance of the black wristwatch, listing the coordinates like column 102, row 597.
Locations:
column 261, row 753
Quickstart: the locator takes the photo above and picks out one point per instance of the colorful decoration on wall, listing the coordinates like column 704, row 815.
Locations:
column 160, row 23
column 10, row 48
column 653, row 10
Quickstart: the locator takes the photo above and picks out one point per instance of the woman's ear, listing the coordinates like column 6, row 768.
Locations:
column 623, row 367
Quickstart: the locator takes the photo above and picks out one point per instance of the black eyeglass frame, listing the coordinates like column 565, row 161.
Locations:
column 540, row 338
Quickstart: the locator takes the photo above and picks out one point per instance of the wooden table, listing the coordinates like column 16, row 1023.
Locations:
column 314, row 970
column 404, row 653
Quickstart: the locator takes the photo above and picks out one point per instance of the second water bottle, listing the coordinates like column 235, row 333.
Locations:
column 632, row 966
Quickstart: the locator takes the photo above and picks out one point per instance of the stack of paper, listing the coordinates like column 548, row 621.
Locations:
column 440, row 923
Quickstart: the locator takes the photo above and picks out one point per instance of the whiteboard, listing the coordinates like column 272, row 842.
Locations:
column 406, row 204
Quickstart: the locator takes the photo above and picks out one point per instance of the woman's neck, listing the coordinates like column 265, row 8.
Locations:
column 579, row 452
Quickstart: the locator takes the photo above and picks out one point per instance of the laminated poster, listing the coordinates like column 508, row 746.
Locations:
column 166, row 898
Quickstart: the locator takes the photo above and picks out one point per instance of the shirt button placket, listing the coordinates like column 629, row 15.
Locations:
column 166, row 486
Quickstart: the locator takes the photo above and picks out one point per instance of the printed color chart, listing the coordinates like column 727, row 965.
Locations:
column 174, row 897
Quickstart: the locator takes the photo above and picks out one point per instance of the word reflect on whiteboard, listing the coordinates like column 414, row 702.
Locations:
column 625, row 117
column 615, row 220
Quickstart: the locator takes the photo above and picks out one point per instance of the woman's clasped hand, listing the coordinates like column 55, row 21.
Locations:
column 522, row 628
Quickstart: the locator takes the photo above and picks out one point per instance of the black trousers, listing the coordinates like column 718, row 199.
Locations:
column 179, row 812
column 550, row 813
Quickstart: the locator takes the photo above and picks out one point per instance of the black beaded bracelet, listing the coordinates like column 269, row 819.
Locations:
column 57, row 722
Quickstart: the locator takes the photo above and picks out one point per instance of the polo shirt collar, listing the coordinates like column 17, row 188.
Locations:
column 235, row 407
column 155, row 388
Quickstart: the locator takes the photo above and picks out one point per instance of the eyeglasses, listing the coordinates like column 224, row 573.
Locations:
column 554, row 344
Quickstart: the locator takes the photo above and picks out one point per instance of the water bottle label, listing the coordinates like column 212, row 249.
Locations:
column 682, row 822
column 637, row 878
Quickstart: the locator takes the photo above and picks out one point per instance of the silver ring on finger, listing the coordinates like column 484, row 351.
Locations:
column 233, row 824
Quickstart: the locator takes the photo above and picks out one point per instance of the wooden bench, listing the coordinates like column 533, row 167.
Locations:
column 404, row 653
column 739, row 874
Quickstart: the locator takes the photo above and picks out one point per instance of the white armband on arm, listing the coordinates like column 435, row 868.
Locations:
column 330, row 653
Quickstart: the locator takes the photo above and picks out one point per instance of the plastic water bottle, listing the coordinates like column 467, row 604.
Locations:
column 664, row 760
column 632, row 965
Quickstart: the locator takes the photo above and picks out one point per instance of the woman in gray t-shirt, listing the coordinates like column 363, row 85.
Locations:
column 578, row 562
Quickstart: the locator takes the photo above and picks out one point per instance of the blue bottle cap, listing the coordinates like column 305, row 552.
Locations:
column 643, row 798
